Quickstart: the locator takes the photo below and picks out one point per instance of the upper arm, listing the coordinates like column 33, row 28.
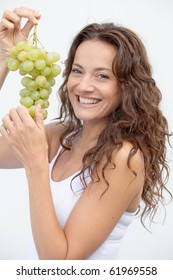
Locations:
column 94, row 216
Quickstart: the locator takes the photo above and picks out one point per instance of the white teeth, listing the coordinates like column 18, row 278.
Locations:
column 88, row 101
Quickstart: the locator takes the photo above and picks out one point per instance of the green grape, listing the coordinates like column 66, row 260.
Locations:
column 49, row 59
column 40, row 101
column 51, row 80
column 13, row 51
column 25, row 81
column 34, row 73
column 41, row 53
column 47, row 85
column 38, row 68
column 41, row 81
column 32, row 85
column 21, row 71
column 56, row 56
column 46, row 71
column 32, row 111
column 26, row 101
column 21, row 45
column 33, row 54
column 25, row 92
column 46, row 104
column 49, row 90
column 28, row 66
column 22, row 56
column 28, row 46
column 35, row 95
column 44, row 94
column 40, row 64
column 44, row 112
column 56, row 70
column 13, row 64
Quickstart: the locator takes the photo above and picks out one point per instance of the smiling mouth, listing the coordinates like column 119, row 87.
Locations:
column 91, row 101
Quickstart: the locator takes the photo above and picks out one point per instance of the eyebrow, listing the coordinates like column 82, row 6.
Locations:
column 96, row 69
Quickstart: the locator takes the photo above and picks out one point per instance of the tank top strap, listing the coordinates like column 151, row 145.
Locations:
column 51, row 164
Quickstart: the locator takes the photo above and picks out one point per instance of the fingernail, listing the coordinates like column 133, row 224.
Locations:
column 37, row 13
column 35, row 21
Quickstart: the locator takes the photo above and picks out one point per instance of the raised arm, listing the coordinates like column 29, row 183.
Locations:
column 11, row 32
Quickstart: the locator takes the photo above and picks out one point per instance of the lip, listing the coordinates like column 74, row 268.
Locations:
column 87, row 105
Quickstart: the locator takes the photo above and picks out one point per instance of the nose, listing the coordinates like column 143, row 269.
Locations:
column 86, row 84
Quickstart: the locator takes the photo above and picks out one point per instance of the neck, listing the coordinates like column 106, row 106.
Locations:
column 90, row 134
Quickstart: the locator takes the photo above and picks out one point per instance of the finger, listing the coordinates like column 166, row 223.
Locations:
column 12, row 17
column 39, row 116
column 4, row 132
column 9, row 20
column 15, row 117
column 33, row 17
column 27, row 28
column 30, row 14
column 24, row 114
column 8, row 124
column 5, row 24
column 30, row 23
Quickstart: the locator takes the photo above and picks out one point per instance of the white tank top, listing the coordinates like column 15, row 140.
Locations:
column 65, row 198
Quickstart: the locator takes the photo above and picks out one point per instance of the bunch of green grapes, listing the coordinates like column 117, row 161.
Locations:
column 38, row 68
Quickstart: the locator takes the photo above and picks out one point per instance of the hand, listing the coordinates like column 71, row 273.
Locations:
column 10, row 28
column 25, row 137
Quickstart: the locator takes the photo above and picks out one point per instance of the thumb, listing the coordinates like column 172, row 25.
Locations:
column 39, row 116
column 30, row 23
column 27, row 28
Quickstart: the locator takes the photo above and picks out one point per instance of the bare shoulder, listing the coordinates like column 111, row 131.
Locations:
column 123, row 178
column 53, row 131
column 129, row 166
column 54, row 128
column 124, row 175
column 121, row 157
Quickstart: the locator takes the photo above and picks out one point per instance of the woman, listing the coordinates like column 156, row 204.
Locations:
column 110, row 137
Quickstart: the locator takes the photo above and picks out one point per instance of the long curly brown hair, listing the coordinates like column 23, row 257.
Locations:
column 137, row 119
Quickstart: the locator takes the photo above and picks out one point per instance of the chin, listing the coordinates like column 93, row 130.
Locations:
column 85, row 117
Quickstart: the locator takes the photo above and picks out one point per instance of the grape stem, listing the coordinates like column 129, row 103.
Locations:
column 34, row 37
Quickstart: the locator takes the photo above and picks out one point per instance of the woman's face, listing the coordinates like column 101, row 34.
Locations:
column 92, row 86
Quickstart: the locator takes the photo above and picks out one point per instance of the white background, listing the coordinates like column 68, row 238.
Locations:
column 152, row 20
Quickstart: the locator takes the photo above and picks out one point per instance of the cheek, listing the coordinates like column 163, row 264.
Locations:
column 114, row 99
column 70, row 85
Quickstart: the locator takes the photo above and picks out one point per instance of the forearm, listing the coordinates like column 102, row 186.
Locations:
column 3, row 72
column 49, row 237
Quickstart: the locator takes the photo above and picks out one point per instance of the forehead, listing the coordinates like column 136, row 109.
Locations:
column 92, row 51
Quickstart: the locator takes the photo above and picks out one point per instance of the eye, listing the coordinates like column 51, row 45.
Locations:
column 76, row 71
column 103, row 76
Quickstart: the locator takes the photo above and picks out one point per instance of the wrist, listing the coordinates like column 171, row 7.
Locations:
column 3, row 70
column 38, row 178
column 4, row 56
column 3, row 62
column 37, row 168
